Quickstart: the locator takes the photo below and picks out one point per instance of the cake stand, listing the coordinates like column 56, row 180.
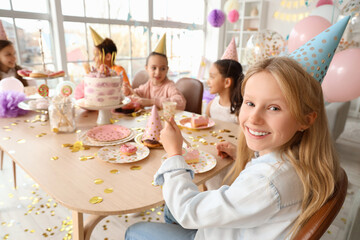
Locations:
column 104, row 112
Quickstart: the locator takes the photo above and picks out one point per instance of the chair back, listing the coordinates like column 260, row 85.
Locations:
column 192, row 89
column 322, row 219
column 140, row 78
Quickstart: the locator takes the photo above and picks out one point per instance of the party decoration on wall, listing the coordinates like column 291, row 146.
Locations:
column 231, row 5
column 351, row 7
column 254, row 12
column 216, row 18
column 9, row 101
column 3, row 35
column 161, row 46
column 262, row 45
column 233, row 16
column 11, row 84
column 315, row 55
column 230, row 52
column 342, row 81
column 97, row 39
column 302, row 32
column 324, row 2
column 287, row 7
column 329, row 12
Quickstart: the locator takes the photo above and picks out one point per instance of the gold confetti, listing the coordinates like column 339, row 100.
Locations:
column 232, row 136
column 108, row 190
column 14, row 124
column 54, row 158
column 11, row 195
column 8, row 130
column 114, row 171
column 135, row 167
column 98, row 181
column 66, row 145
column 343, row 219
column 6, row 138
column 21, row 141
column 5, row 127
column 212, row 143
column 55, row 130
column 78, row 131
column 95, row 200
column 112, row 159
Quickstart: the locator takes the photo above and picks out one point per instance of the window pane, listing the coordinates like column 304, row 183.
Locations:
column 102, row 30
column 38, row 6
column 174, row 11
column 139, row 41
column 28, row 34
column 9, row 28
column 5, row 4
column 137, row 65
column 76, row 72
column 96, row 9
column 75, row 41
column 139, row 13
column 121, row 37
column 72, row 7
column 119, row 9
column 125, row 64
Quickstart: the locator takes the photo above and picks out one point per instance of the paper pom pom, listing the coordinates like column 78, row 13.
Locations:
column 231, row 5
column 216, row 18
column 324, row 2
column 233, row 16
column 9, row 101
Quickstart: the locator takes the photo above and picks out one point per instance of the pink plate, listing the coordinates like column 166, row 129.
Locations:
column 108, row 133
column 186, row 122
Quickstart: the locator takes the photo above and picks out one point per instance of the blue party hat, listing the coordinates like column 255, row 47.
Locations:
column 315, row 55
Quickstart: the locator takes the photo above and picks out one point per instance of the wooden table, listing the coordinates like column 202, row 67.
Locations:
column 70, row 181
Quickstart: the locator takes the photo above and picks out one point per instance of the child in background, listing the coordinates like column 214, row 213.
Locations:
column 8, row 66
column 225, row 78
column 285, row 171
column 104, row 53
column 158, row 88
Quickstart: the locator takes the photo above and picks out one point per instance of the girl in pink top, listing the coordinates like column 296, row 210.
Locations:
column 158, row 88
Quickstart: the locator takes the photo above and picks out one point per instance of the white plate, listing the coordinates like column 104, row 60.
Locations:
column 87, row 141
column 206, row 163
column 112, row 154
column 25, row 105
column 138, row 140
column 186, row 122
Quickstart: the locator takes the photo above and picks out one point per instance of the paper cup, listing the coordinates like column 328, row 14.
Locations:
column 169, row 109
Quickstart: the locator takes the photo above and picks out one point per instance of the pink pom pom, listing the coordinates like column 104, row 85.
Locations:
column 216, row 18
column 233, row 16
column 324, row 2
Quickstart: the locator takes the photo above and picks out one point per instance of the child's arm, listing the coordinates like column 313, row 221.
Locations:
column 207, row 111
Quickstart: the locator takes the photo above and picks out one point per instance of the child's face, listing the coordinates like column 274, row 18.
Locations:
column 265, row 116
column 8, row 57
column 216, row 82
column 157, row 68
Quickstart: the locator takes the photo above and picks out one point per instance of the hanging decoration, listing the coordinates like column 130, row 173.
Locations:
column 216, row 18
column 287, row 7
column 233, row 16
column 324, row 2
column 231, row 5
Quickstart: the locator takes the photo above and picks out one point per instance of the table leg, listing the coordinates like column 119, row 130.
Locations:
column 78, row 225
column 91, row 222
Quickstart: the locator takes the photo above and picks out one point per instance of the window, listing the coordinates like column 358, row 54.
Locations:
column 134, row 25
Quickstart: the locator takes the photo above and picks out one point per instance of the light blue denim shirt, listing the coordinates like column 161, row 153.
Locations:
column 262, row 203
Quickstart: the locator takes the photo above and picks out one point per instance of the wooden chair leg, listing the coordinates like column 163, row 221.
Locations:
column 14, row 173
column 2, row 159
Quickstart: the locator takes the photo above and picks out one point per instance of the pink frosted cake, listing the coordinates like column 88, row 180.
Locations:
column 103, row 88
column 199, row 121
column 191, row 155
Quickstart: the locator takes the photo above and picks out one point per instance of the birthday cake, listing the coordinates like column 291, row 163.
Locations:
column 103, row 88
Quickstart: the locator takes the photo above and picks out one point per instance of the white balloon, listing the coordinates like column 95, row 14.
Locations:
column 329, row 12
column 11, row 84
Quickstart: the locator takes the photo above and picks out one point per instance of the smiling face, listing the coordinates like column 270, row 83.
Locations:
column 7, row 58
column 265, row 117
column 216, row 82
column 157, row 68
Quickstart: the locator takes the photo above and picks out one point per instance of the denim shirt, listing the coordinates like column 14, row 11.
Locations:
column 262, row 203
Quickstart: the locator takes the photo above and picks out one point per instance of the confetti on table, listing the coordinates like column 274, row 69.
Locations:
column 55, row 130
column 54, row 158
column 135, row 167
column 114, row 171
column 6, row 138
column 95, row 200
column 108, row 190
column 98, row 181
column 21, row 141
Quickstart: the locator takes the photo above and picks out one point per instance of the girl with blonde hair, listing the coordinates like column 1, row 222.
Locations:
column 285, row 169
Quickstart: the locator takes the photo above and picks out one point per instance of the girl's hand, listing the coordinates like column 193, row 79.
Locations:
column 171, row 138
column 226, row 149
column 144, row 102
column 127, row 90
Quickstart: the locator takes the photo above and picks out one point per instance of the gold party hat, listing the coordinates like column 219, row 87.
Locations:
column 161, row 46
column 97, row 39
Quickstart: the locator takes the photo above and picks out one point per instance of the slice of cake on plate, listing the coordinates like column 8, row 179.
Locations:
column 191, row 155
column 199, row 121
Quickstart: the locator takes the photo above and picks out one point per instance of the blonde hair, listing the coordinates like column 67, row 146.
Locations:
column 311, row 152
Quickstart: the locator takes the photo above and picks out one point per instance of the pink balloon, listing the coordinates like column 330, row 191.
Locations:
column 305, row 30
column 342, row 80
column 11, row 84
column 233, row 16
